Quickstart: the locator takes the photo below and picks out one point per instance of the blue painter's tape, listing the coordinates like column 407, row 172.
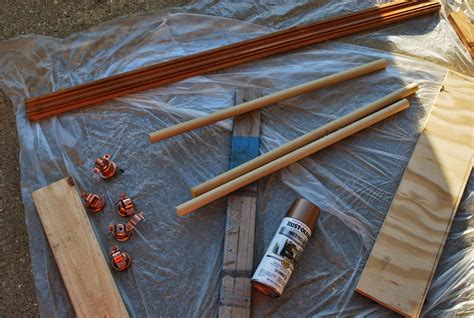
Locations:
column 243, row 149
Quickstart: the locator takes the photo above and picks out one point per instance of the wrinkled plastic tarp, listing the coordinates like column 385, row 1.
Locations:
column 177, row 261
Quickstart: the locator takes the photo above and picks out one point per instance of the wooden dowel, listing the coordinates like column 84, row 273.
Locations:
column 267, row 100
column 303, row 140
column 290, row 158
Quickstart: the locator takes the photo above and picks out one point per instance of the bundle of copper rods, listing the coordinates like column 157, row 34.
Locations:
column 181, row 68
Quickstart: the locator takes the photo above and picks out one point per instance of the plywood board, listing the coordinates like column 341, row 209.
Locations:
column 403, row 260
column 82, row 264
column 240, row 223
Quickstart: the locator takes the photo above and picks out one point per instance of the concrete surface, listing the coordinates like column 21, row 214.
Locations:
column 53, row 18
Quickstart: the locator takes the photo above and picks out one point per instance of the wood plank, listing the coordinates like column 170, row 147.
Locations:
column 403, row 260
column 235, row 292
column 240, row 223
column 464, row 29
column 82, row 264
column 235, row 312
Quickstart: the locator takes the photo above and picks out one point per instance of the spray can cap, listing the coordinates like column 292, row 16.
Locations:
column 304, row 211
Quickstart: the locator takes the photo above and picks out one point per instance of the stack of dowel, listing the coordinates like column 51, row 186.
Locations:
column 295, row 150
column 178, row 69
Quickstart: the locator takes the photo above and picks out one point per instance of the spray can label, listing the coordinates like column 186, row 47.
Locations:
column 281, row 256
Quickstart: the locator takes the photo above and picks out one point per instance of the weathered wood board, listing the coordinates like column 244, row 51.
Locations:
column 464, row 29
column 240, row 224
column 235, row 297
column 403, row 260
column 82, row 264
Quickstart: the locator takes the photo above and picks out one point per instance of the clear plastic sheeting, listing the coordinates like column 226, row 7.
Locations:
column 177, row 261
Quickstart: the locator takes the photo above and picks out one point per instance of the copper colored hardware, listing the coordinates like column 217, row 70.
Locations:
column 120, row 260
column 167, row 72
column 125, row 205
column 94, row 202
column 122, row 232
column 105, row 167
column 135, row 219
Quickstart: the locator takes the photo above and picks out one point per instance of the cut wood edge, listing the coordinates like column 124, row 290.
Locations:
column 440, row 251
column 386, row 305
column 448, row 228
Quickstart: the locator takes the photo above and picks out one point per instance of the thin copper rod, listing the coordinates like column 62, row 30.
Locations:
column 196, row 64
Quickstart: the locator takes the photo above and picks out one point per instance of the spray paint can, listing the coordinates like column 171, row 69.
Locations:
column 279, row 260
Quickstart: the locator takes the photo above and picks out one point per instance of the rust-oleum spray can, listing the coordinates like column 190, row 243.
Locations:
column 280, row 259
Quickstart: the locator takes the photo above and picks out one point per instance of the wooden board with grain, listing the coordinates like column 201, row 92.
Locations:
column 82, row 264
column 403, row 260
column 240, row 224
column 464, row 29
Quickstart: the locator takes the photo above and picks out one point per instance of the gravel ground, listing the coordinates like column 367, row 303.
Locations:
column 58, row 19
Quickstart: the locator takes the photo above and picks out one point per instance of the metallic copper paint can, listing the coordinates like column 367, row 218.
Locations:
column 279, row 260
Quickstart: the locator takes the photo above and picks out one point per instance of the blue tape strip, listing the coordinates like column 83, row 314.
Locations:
column 243, row 149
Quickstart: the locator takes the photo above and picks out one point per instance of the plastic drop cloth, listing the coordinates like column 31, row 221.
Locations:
column 177, row 261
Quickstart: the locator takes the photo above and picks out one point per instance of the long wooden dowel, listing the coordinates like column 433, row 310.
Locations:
column 290, row 158
column 303, row 140
column 267, row 100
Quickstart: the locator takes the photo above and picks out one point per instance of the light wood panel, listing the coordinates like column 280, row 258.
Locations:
column 82, row 264
column 240, row 224
column 403, row 260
